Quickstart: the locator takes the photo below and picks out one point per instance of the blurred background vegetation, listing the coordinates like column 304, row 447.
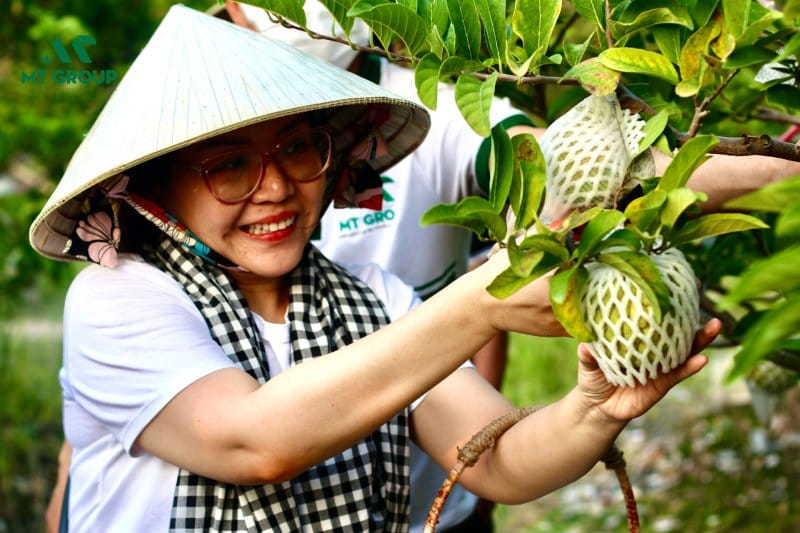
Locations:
column 701, row 463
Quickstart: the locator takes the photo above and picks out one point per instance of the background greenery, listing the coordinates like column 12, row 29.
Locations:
column 726, row 470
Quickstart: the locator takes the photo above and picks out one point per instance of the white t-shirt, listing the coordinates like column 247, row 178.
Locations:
column 132, row 341
column 441, row 170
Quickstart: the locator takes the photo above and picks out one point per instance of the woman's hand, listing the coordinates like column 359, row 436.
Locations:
column 620, row 404
column 527, row 311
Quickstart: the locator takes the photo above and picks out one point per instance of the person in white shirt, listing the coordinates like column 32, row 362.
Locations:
column 185, row 404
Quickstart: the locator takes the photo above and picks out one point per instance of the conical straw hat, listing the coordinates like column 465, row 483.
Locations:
column 196, row 78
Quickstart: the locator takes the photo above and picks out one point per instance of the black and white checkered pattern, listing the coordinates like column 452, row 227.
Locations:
column 364, row 488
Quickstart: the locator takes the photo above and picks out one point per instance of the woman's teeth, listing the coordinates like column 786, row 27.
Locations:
column 259, row 229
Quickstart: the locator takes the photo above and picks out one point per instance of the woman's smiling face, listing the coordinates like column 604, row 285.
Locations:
column 265, row 233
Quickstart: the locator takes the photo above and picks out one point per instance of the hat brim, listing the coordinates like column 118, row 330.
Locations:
column 261, row 80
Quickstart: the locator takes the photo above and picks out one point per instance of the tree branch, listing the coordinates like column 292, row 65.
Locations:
column 765, row 113
column 609, row 39
column 745, row 145
column 701, row 111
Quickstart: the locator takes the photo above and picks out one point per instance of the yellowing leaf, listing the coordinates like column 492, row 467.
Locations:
column 639, row 61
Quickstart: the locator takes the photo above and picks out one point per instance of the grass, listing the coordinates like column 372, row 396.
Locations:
column 30, row 428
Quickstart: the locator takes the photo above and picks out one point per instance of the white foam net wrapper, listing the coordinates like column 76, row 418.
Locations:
column 589, row 152
column 630, row 345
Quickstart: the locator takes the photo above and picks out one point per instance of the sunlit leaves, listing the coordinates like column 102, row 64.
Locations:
column 288, row 9
column 595, row 77
column 467, row 27
column 474, row 99
column 397, row 19
column 339, row 9
column 529, row 179
column 715, row 224
column 534, row 21
column 688, row 158
column 639, row 61
column 502, row 167
column 565, row 294
column 653, row 129
column 426, row 78
column 771, row 330
column 473, row 213
column 493, row 17
column 773, row 198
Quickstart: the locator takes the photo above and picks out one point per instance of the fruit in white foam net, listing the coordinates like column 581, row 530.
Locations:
column 630, row 345
column 590, row 153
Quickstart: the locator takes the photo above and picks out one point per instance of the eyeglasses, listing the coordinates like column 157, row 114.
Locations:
column 235, row 175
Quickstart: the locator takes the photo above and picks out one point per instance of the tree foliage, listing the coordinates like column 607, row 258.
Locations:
column 719, row 76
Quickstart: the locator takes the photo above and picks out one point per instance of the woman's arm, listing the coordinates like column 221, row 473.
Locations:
column 551, row 447
column 228, row 427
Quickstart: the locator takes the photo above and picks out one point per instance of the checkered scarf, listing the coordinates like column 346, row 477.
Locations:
column 365, row 488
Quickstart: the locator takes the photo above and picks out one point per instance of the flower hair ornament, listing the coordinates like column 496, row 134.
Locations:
column 96, row 237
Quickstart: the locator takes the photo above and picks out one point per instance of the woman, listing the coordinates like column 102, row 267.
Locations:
column 225, row 375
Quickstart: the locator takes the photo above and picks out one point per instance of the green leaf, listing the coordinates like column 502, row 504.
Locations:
column 577, row 219
column 678, row 201
column 574, row 52
column 668, row 40
column 653, row 129
column 534, row 21
column 466, row 21
column 688, row 158
column 493, row 16
column 651, row 17
column 565, row 298
column 547, row 244
column 523, row 261
column 518, row 60
column 502, row 171
column 639, row 61
column 591, row 10
column 644, row 211
column 397, row 19
column 766, row 336
column 643, row 272
column 696, row 47
column 787, row 227
column 715, row 224
column 792, row 47
column 597, row 229
column 426, row 78
column 775, row 197
column 339, row 9
column 622, row 237
column 474, row 98
column 778, row 272
column 702, row 11
column 288, row 9
column 785, row 97
column 736, row 13
column 529, row 181
column 595, row 77
column 507, row 283
column 748, row 56
column 753, row 31
column 474, row 213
